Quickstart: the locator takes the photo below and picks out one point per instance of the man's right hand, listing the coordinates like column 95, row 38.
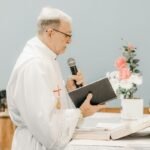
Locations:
column 87, row 109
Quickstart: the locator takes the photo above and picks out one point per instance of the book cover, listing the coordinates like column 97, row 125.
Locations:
column 102, row 91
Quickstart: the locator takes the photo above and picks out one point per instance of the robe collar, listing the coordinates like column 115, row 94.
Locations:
column 44, row 49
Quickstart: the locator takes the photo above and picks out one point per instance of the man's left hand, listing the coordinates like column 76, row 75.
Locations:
column 70, row 84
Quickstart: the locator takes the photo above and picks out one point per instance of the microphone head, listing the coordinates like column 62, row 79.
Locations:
column 71, row 62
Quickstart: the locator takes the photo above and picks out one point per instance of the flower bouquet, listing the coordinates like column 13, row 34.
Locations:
column 125, row 81
column 127, row 77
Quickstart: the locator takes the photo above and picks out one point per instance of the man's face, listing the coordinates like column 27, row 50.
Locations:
column 62, row 37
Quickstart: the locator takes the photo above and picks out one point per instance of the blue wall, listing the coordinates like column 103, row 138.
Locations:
column 98, row 26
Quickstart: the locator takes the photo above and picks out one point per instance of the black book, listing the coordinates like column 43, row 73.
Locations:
column 102, row 91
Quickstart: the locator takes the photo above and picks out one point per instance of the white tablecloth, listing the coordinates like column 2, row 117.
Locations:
column 129, row 143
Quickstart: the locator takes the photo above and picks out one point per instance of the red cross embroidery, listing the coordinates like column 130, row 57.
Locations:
column 57, row 91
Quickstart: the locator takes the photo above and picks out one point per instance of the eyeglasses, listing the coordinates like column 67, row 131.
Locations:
column 66, row 35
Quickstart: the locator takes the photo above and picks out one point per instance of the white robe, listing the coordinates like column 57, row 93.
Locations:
column 32, row 101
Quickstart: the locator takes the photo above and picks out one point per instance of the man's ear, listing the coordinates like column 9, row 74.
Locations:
column 49, row 31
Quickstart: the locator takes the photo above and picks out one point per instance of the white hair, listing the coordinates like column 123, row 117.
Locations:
column 51, row 17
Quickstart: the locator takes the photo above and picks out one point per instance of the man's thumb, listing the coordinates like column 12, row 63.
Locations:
column 89, row 97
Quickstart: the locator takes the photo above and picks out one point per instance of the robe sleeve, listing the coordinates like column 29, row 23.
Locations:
column 34, row 99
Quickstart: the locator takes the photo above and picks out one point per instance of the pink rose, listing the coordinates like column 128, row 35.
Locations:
column 124, row 73
column 121, row 63
column 131, row 47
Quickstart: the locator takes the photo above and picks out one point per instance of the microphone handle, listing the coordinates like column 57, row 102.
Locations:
column 74, row 71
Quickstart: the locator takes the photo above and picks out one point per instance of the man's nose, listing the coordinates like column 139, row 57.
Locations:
column 69, row 40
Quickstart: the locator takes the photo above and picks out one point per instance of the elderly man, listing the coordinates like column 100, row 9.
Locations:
column 38, row 102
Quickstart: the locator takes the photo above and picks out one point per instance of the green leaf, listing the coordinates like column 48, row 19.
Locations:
column 136, row 61
column 133, row 51
column 125, row 47
column 134, row 65
column 133, row 55
column 136, row 71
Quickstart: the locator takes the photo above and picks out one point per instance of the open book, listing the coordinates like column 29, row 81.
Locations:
column 106, row 126
column 102, row 91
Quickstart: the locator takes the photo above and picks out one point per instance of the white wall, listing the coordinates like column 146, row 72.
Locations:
column 98, row 26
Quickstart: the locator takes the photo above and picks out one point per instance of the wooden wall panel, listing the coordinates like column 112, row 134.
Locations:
column 6, row 133
column 117, row 110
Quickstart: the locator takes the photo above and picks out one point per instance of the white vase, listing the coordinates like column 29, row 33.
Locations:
column 132, row 108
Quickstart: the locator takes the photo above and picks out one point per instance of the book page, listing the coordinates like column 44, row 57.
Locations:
column 131, row 127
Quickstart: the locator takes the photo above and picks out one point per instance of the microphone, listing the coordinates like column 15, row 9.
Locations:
column 72, row 64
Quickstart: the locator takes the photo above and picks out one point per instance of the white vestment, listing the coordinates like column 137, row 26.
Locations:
column 33, row 92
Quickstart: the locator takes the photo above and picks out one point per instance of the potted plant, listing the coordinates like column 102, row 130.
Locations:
column 125, row 81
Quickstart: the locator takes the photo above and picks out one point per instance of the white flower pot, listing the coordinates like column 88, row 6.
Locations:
column 132, row 108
